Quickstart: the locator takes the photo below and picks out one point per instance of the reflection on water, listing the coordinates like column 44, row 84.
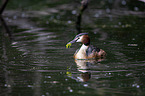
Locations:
column 83, row 66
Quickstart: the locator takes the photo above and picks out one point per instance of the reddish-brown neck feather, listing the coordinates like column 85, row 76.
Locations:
column 86, row 40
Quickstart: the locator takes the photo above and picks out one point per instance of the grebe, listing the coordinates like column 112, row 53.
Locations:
column 86, row 51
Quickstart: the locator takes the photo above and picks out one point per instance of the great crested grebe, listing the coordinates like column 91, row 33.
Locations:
column 86, row 51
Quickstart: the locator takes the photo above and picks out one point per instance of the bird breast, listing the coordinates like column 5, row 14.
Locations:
column 81, row 54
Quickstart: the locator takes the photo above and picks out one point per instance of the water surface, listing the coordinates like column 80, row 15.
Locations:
column 36, row 63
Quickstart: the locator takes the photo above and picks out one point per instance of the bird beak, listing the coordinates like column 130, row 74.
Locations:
column 70, row 43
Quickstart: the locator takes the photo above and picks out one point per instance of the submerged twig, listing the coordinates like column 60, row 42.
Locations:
column 84, row 5
column 3, row 21
column 6, row 27
column 3, row 6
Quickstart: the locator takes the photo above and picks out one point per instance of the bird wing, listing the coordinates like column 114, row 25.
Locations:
column 91, row 49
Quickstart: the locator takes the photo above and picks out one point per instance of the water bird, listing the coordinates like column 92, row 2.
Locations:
column 87, row 51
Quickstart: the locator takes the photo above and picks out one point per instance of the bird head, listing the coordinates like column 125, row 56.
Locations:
column 82, row 37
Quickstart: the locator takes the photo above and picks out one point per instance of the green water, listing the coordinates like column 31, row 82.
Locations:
column 35, row 61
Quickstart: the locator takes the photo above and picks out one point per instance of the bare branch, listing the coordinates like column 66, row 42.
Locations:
column 3, row 6
column 84, row 5
column 6, row 27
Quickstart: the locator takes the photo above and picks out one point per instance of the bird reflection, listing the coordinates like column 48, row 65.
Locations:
column 84, row 67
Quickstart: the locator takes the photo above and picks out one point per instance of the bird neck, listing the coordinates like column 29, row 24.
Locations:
column 86, row 40
column 87, row 43
column 84, row 47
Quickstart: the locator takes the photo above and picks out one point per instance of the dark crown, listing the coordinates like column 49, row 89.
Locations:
column 81, row 34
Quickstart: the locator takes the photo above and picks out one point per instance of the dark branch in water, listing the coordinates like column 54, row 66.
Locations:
column 84, row 5
column 3, row 6
column 6, row 27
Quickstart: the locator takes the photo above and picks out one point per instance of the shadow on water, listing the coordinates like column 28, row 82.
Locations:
column 36, row 62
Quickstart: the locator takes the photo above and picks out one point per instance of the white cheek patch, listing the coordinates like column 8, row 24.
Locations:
column 80, row 39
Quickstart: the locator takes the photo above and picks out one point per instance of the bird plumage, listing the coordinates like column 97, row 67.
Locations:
column 87, row 51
